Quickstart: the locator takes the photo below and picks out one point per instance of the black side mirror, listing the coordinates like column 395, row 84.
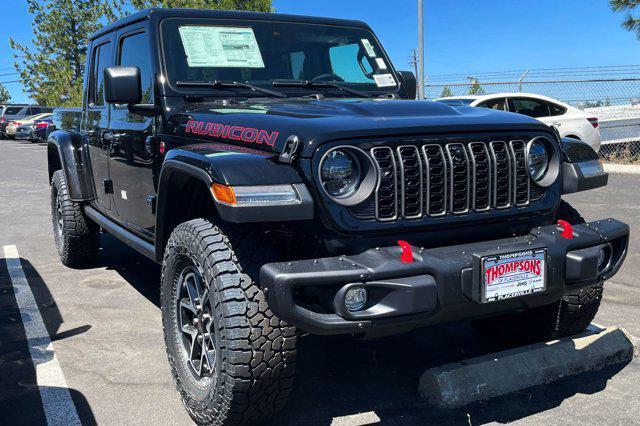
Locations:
column 122, row 85
column 409, row 83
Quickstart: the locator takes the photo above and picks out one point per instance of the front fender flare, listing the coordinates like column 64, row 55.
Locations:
column 581, row 167
column 218, row 169
column 67, row 152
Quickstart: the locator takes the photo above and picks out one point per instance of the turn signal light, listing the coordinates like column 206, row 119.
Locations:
column 224, row 194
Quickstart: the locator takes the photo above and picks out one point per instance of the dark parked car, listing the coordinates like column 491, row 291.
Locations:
column 17, row 112
column 40, row 129
column 25, row 132
column 280, row 170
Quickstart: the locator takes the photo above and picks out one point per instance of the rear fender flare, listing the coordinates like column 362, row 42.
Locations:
column 67, row 152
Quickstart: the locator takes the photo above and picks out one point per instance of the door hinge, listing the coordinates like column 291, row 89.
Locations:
column 151, row 203
column 108, row 186
column 291, row 146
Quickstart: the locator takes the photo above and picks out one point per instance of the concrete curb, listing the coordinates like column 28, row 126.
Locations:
column 489, row 376
column 622, row 168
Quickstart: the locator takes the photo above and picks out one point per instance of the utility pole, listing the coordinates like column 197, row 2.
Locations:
column 414, row 63
column 420, row 76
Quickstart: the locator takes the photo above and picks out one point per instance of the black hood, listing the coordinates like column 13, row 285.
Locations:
column 320, row 121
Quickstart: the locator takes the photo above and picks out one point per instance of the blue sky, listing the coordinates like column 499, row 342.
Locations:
column 461, row 36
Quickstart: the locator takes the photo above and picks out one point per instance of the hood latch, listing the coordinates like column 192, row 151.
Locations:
column 291, row 146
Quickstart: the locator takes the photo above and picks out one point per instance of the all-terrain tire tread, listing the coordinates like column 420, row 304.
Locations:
column 80, row 234
column 258, row 349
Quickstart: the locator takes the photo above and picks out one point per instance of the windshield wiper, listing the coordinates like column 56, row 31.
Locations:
column 217, row 84
column 311, row 84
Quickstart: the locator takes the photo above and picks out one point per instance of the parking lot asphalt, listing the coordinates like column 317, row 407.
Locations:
column 105, row 328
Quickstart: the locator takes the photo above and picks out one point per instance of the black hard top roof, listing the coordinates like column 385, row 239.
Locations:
column 161, row 13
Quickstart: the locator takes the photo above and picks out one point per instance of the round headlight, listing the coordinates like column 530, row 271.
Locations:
column 340, row 173
column 537, row 160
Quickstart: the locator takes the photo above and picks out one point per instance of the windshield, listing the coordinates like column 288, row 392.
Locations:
column 262, row 52
column 456, row 102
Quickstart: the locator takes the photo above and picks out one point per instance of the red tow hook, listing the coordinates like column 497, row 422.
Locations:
column 407, row 253
column 567, row 229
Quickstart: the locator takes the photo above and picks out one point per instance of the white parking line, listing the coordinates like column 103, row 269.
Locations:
column 56, row 399
column 360, row 419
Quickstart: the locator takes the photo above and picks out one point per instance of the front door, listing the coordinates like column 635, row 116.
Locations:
column 132, row 147
column 96, row 121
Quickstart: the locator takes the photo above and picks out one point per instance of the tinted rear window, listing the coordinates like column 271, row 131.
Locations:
column 13, row 110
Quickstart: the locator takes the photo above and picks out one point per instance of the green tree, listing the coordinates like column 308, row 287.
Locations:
column 631, row 22
column 254, row 5
column 446, row 92
column 476, row 88
column 5, row 97
column 52, row 67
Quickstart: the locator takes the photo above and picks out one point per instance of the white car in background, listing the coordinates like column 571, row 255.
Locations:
column 570, row 121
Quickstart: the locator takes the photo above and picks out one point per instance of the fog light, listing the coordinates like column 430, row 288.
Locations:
column 355, row 299
column 603, row 258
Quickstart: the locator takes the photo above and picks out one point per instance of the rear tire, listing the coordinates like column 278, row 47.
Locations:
column 241, row 368
column 570, row 315
column 76, row 236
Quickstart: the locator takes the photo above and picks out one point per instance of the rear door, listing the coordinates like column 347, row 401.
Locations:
column 95, row 121
column 132, row 147
column 532, row 107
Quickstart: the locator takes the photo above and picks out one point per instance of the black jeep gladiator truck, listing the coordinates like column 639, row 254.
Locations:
column 282, row 172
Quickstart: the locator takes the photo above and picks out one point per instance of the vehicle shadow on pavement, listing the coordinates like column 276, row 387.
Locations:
column 141, row 273
column 341, row 376
column 20, row 401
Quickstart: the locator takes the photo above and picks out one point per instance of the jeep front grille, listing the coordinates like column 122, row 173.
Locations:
column 432, row 180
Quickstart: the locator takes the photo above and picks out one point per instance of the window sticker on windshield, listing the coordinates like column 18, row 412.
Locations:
column 381, row 63
column 221, row 47
column 368, row 47
column 384, row 80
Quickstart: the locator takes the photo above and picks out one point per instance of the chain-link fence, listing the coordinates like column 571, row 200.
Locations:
column 611, row 94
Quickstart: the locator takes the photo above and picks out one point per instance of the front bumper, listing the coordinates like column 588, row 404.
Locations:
column 441, row 285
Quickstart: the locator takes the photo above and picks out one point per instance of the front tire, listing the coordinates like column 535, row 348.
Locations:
column 570, row 315
column 232, row 359
column 77, row 237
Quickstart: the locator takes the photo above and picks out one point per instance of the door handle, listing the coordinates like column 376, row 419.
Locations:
column 113, row 137
column 557, row 124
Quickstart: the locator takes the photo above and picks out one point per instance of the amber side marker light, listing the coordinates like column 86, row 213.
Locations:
column 224, row 194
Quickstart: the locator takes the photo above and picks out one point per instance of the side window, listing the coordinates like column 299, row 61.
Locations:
column 101, row 60
column 134, row 52
column 531, row 107
column 500, row 104
column 555, row 109
column 29, row 111
column 344, row 63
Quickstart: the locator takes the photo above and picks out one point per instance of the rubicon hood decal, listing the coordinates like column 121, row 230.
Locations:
column 234, row 133
column 265, row 124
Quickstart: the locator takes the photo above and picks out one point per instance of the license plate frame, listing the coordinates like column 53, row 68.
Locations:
column 526, row 269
